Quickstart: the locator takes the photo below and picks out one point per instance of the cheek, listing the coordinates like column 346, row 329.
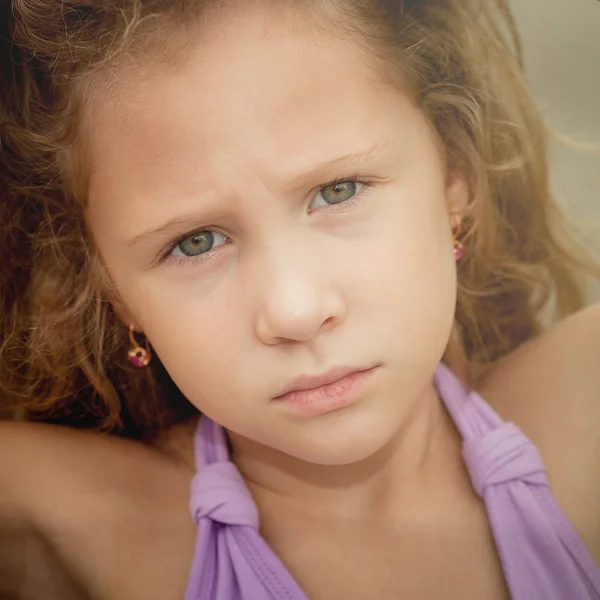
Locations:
column 408, row 274
column 206, row 345
column 199, row 341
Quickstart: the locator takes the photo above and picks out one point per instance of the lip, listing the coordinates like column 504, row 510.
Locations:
column 338, row 389
column 306, row 383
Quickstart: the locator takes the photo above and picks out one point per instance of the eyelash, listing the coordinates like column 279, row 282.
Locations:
column 367, row 182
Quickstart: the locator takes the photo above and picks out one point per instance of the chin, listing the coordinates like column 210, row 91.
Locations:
column 339, row 442
column 338, row 457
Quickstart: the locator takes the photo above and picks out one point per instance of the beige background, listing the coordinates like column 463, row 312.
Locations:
column 562, row 52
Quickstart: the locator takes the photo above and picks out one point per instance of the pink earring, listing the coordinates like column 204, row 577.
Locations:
column 459, row 250
column 139, row 357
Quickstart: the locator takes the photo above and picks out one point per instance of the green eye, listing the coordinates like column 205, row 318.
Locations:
column 198, row 243
column 337, row 193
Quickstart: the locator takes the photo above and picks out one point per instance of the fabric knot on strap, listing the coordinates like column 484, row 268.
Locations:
column 219, row 493
column 502, row 455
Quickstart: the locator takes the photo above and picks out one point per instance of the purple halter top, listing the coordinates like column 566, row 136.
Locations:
column 542, row 555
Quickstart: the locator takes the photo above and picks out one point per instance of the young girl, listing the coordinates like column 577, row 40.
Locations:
column 318, row 224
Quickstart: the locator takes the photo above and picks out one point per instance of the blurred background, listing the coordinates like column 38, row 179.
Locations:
column 562, row 51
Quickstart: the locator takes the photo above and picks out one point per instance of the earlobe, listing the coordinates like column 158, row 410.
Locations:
column 457, row 201
column 139, row 356
column 457, row 194
column 124, row 314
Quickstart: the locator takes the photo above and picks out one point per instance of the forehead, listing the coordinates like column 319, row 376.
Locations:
column 256, row 88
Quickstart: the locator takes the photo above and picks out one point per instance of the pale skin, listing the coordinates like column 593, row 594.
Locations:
column 291, row 285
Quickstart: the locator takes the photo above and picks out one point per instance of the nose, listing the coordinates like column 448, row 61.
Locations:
column 297, row 298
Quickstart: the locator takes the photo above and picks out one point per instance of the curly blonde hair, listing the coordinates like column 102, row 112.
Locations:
column 61, row 344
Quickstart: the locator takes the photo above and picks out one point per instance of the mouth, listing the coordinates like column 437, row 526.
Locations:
column 307, row 383
column 314, row 395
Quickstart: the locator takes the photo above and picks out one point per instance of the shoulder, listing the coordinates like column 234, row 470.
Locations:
column 79, row 491
column 56, row 460
column 550, row 388
column 558, row 369
column 553, row 381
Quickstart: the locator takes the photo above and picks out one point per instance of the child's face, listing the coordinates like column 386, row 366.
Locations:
column 240, row 141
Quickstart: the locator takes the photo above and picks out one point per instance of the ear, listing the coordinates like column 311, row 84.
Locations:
column 457, row 194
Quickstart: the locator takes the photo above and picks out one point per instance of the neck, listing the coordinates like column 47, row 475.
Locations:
column 418, row 462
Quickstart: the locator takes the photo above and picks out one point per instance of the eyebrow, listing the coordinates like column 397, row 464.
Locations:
column 354, row 158
column 297, row 181
column 156, row 230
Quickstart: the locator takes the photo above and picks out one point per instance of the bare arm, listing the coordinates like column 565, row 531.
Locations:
column 80, row 507
column 29, row 569
column 13, row 540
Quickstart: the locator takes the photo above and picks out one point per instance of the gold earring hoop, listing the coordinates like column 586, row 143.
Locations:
column 139, row 357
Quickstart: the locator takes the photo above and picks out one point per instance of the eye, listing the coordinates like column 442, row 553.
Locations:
column 198, row 243
column 337, row 193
